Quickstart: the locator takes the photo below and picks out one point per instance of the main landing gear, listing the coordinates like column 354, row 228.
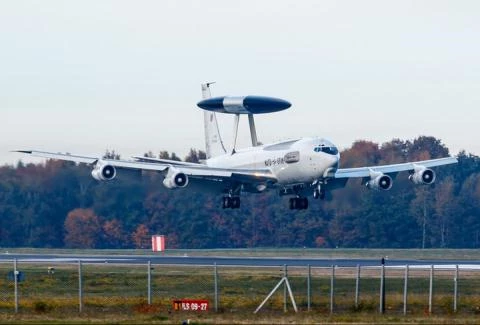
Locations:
column 298, row 203
column 319, row 193
column 232, row 202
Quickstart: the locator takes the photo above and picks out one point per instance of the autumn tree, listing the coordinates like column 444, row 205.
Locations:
column 140, row 236
column 362, row 153
column 114, row 235
column 165, row 155
column 393, row 152
column 195, row 156
column 173, row 156
column 444, row 208
column 111, row 155
column 149, row 154
column 82, row 229
column 426, row 147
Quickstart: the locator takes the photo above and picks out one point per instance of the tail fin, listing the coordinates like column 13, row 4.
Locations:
column 213, row 141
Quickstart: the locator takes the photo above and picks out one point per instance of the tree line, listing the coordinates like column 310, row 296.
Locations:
column 58, row 204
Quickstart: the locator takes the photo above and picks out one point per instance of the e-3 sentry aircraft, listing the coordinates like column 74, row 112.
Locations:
column 297, row 168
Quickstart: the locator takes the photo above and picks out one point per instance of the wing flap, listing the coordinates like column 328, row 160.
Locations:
column 164, row 161
column 253, row 178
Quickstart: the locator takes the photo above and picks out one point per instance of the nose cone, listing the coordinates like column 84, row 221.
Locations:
column 211, row 104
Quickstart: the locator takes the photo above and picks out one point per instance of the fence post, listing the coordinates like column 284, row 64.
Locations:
column 455, row 289
column 332, row 289
column 285, row 289
column 382, row 289
column 15, row 280
column 405, row 290
column 215, row 278
column 357, row 286
column 430, row 295
column 80, row 292
column 309, row 287
column 149, row 283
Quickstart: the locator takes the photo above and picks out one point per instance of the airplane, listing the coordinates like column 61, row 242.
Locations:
column 297, row 168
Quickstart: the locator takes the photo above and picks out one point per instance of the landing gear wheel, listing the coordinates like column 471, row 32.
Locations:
column 319, row 193
column 226, row 202
column 235, row 202
column 231, row 202
column 304, row 203
column 298, row 203
column 292, row 202
column 322, row 195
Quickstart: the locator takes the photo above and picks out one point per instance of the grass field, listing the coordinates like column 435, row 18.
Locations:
column 118, row 293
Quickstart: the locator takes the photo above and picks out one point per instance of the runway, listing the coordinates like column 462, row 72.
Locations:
column 233, row 261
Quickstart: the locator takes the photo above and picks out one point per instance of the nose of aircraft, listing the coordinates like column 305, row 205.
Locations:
column 336, row 161
column 332, row 162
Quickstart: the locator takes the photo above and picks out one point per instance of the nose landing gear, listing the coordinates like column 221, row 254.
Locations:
column 298, row 203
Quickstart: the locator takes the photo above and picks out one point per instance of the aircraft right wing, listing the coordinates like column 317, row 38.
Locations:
column 176, row 173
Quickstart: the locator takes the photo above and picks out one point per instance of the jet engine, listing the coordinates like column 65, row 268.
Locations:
column 103, row 172
column 422, row 176
column 380, row 182
column 175, row 178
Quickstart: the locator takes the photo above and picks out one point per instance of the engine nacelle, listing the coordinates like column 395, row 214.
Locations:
column 103, row 172
column 175, row 178
column 423, row 176
column 380, row 182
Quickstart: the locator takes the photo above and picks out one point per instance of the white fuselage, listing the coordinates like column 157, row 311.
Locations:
column 297, row 161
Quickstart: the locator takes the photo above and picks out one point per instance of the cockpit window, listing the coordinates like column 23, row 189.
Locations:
column 328, row 150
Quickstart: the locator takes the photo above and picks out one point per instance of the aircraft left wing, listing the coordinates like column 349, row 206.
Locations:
column 360, row 172
column 380, row 177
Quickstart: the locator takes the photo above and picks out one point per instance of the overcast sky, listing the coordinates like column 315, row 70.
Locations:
column 85, row 76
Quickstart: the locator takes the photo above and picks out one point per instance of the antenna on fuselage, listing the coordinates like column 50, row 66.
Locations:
column 237, row 105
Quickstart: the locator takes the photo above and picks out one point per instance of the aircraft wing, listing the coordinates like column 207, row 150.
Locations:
column 361, row 172
column 93, row 160
column 196, row 171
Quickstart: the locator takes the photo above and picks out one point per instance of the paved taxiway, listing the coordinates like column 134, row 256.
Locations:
column 230, row 261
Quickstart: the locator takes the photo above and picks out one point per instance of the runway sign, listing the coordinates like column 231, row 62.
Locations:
column 20, row 276
column 158, row 243
column 190, row 305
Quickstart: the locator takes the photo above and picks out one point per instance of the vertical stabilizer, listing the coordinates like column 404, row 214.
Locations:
column 213, row 141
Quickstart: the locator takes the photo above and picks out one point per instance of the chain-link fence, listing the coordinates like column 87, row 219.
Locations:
column 83, row 287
